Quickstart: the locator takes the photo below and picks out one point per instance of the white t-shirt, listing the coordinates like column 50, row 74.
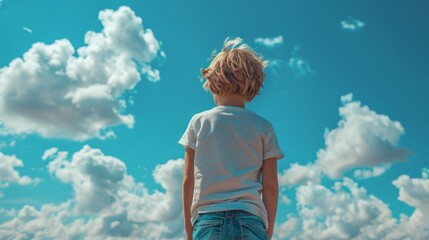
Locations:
column 230, row 145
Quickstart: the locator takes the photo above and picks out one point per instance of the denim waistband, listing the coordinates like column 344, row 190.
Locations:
column 229, row 213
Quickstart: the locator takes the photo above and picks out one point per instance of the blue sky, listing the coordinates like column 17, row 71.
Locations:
column 346, row 91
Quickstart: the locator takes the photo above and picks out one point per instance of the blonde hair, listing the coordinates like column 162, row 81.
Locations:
column 237, row 69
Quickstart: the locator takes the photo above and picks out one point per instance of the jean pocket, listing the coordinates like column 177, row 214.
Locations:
column 207, row 229
column 252, row 228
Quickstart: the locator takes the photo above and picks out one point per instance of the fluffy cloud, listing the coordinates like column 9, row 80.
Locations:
column 287, row 229
column 8, row 173
column 107, row 204
column 49, row 153
column 347, row 211
column 56, row 94
column 300, row 66
column 298, row 174
column 97, row 180
column 368, row 143
column 4, row 143
column 274, row 62
column 284, row 199
column 352, row 24
column 363, row 138
column 344, row 211
column 270, row 42
column 368, row 173
column 415, row 193
column 30, row 223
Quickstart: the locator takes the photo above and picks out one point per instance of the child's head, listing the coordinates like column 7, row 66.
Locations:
column 237, row 69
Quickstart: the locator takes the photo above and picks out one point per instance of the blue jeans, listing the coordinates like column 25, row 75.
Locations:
column 226, row 225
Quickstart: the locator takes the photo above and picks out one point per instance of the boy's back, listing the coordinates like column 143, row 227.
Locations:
column 231, row 143
column 230, row 184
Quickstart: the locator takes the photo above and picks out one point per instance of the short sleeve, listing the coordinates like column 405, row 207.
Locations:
column 271, row 146
column 188, row 138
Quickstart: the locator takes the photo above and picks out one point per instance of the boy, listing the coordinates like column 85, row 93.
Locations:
column 228, row 148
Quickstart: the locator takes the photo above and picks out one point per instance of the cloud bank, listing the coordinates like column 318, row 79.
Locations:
column 107, row 202
column 347, row 211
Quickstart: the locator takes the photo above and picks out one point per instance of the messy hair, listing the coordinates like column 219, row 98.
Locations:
column 237, row 69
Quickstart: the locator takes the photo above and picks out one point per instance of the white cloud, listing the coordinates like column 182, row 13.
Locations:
column 363, row 138
column 46, row 223
column 298, row 174
column 56, row 94
column 346, row 98
column 270, row 42
column 425, row 173
column 8, row 173
column 346, row 211
column 300, row 66
column 27, row 29
column 7, row 143
column 340, row 213
column 8, row 212
column 415, row 193
column 352, row 24
column 96, row 179
column 152, row 74
column 368, row 173
column 284, row 199
column 364, row 141
column 107, row 203
column 368, row 143
column 288, row 229
column 275, row 62
column 49, row 153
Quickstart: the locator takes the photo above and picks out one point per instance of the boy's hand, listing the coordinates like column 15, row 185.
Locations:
column 270, row 234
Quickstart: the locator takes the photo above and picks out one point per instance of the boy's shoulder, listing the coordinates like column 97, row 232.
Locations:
column 201, row 114
column 216, row 110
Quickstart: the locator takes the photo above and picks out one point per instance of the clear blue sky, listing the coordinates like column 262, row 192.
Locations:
column 375, row 50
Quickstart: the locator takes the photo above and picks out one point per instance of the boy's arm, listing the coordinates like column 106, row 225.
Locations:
column 188, row 190
column 270, row 191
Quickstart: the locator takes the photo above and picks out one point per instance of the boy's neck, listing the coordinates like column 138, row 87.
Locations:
column 230, row 100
